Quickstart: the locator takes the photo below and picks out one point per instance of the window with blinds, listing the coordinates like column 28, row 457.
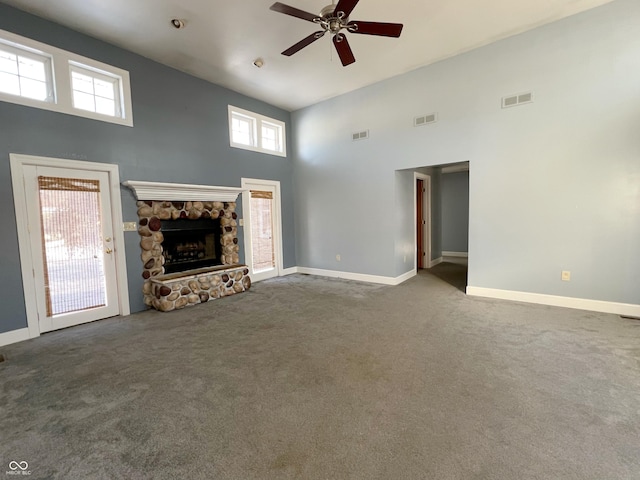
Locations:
column 262, row 231
column 72, row 236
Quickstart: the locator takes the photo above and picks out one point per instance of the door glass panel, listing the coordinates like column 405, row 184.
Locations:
column 73, row 246
column 262, row 231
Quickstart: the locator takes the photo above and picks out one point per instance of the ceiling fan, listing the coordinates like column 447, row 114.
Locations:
column 333, row 19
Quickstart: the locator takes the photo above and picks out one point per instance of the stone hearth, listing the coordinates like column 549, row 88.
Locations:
column 175, row 291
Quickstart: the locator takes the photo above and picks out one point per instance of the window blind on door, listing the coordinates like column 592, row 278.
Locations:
column 73, row 245
column 261, row 194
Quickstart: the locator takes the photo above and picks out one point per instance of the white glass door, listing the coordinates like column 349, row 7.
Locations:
column 71, row 236
column 262, row 228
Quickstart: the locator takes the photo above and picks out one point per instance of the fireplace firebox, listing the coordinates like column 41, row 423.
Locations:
column 190, row 244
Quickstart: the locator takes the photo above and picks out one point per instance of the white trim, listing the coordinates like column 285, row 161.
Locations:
column 277, row 222
column 289, row 271
column 60, row 61
column 435, row 262
column 360, row 277
column 557, row 301
column 455, row 254
column 14, row 336
column 182, row 192
column 426, row 238
column 18, row 163
column 404, row 277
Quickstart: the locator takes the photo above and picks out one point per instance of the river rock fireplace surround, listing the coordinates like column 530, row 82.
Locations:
column 162, row 204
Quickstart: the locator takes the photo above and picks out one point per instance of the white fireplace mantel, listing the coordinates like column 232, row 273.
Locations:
column 182, row 192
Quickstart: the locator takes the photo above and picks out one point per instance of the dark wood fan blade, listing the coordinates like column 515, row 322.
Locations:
column 294, row 12
column 303, row 43
column 344, row 50
column 346, row 6
column 376, row 28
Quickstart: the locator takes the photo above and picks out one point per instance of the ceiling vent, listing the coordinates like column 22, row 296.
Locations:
column 360, row 135
column 425, row 119
column 515, row 100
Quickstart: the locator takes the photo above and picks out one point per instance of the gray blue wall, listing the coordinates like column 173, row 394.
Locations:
column 553, row 184
column 455, row 212
column 180, row 135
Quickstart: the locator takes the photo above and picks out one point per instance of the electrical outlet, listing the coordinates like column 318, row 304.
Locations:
column 129, row 226
column 566, row 276
column 241, row 222
column 338, row 257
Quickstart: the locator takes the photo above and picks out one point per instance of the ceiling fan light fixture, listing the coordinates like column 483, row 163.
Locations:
column 333, row 19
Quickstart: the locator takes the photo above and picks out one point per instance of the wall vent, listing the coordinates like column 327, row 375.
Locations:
column 360, row 135
column 514, row 100
column 425, row 119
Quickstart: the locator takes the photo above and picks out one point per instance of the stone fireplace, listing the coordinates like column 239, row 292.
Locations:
column 189, row 244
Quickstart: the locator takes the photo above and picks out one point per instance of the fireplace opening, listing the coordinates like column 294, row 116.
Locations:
column 190, row 244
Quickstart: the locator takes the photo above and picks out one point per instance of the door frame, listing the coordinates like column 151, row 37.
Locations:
column 29, row 284
column 426, row 208
column 277, row 221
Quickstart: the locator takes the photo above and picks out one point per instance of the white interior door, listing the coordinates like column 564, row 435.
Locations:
column 72, row 245
column 262, row 228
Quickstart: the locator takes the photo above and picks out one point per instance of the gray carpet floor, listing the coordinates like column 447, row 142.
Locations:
column 453, row 271
column 311, row 378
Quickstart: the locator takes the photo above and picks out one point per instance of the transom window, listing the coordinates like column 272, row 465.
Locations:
column 38, row 75
column 95, row 91
column 243, row 129
column 25, row 74
column 256, row 132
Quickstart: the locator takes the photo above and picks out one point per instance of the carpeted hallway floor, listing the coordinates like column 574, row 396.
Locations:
column 313, row 378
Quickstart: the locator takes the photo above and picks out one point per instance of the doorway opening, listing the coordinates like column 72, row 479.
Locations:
column 441, row 213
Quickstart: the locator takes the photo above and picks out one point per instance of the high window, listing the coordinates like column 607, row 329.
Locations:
column 42, row 76
column 95, row 91
column 25, row 73
column 252, row 131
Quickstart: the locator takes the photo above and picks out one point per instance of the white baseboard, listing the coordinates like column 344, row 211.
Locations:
column 435, row 262
column 289, row 271
column 361, row 277
column 14, row 336
column 456, row 254
column 557, row 301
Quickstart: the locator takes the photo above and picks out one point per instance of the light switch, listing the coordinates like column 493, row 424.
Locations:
column 129, row 226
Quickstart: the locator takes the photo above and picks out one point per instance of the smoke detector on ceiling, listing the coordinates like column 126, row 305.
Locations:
column 177, row 23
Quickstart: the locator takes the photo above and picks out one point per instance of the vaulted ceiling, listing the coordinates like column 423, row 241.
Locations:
column 221, row 39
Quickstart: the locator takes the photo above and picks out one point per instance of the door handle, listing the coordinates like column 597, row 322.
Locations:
column 108, row 250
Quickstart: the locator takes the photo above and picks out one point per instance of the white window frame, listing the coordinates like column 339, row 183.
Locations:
column 62, row 96
column 257, row 120
column 21, row 51
column 101, row 75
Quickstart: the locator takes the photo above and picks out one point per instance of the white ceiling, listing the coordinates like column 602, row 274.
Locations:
column 222, row 39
